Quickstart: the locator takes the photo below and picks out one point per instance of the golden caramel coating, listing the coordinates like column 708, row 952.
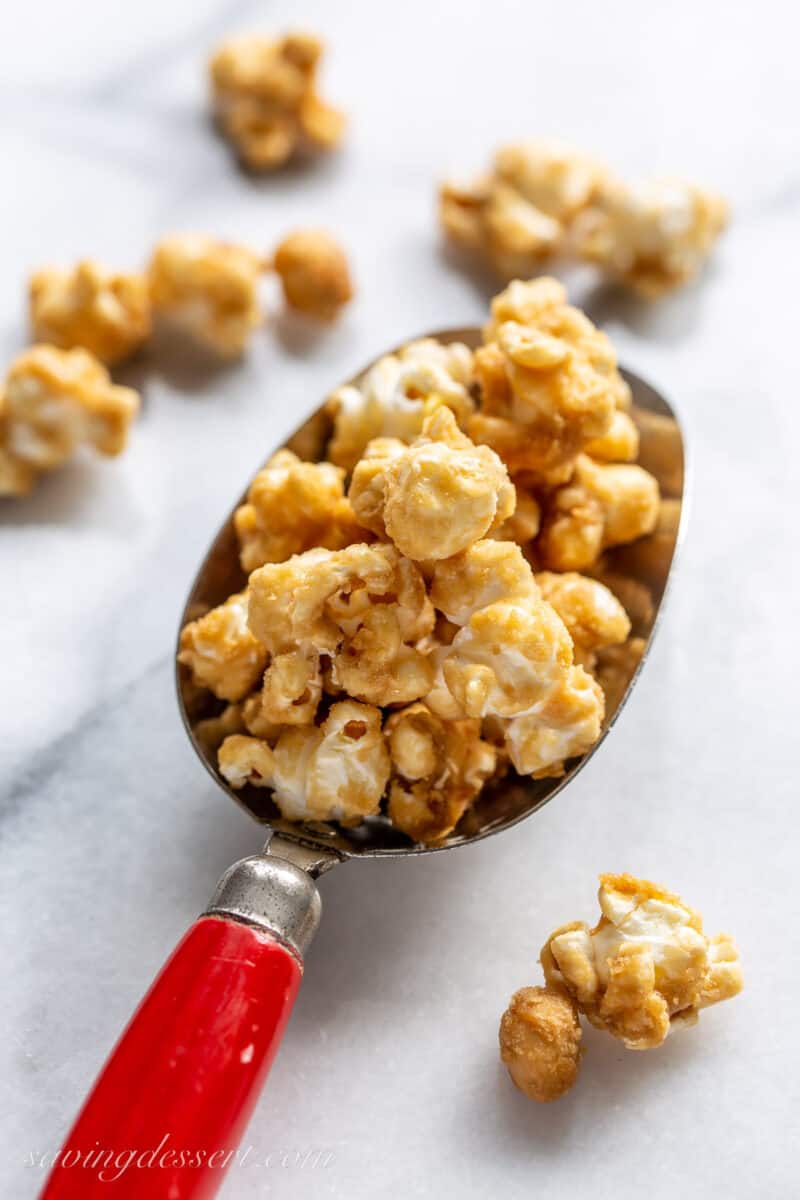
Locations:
column 333, row 772
column 540, row 1042
column 105, row 312
column 548, row 379
column 488, row 572
column 294, row 506
column 266, row 102
column 221, row 652
column 517, row 214
column 620, row 442
column 652, row 236
column 565, row 724
column 292, row 689
column 54, row 401
column 438, row 768
column 603, row 504
column 207, row 288
column 365, row 608
column 591, row 612
column 397, row 394
column 645, row 967
column 436, row 496
column 314, row 273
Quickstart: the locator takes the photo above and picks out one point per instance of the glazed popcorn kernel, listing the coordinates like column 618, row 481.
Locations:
column 487, row 572
column 294, row 506
column 314, row 272
column 292, row 689
column 207, row 288
column 653, row 236
column 646, row 967
column 602, row 505
column 620, row 442
column 53, row 402
column 105, row 312
column 266, row 101
column 337, row 771
column 540, row 1042
column 438, row 496
column 397, row 394
column 438, row 768
column 565, row 724
column 221, row 652
column 591, row 612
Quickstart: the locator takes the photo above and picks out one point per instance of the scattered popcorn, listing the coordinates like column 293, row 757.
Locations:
column 646, row 967
column 54, row 401
column 438, row 769
column 436, row 496
column 653, row 236
column 314, row 272
column 294, row 506
column 207, row 288
column 106, row 313
column 603, row 504
column 541, row 199
column 221, row 652
column 591, row 612
column 540, row 1042
column 265, row 98
column 335, row 772
column 397, row 394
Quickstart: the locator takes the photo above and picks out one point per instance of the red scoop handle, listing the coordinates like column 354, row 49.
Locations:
column 166, row 1115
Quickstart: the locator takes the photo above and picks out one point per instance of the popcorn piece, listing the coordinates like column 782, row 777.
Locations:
column 438, row 768
column 292, row 689
column 620, row 442
column 592, row 614
column 221, row 652
column 53, row 402
column 335, row 772
column 548, row 380
column 602, row 505
column 566, row 724
column 104, row 312
column 488, row 572
column 518, row 214
column 266, row 102
column 314, row 272
column 397, row 394
column 653, row 236
column 364, row 607
column 645, row 967
column 207, row 288
column 540, row 1042
column 294, row 506
column 437, row 496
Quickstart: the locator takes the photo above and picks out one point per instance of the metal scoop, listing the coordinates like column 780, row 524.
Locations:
column 196, row 1053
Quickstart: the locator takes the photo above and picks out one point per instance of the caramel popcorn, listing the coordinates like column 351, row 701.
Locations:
column 653, row 236
column 314, row 272
column 397, row 394
column 54, row 401
column 438, row 768
column 541, row 199
column 540, row 1042
column 106, row 313
column 646, row 967
column 364, row 607
column 436, row 496
column 518, row 214
column 591, row 612
column 294, row 506
column 266, row 101
column 221, row 652
column 549, row 383
column 333, row 772
column 207, row 288
column 603, row 504
column 488, row 572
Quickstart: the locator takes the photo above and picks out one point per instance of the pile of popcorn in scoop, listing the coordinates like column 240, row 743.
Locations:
column 420, row 614
column 541, row 199
column 58, row 394
column 645, row 970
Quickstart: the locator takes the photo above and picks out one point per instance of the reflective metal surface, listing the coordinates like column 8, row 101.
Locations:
column 638, row 573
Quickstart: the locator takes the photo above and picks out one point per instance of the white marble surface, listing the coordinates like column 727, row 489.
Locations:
column 112, row 835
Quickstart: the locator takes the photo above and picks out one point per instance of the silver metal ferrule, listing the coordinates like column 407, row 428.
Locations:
column 273, row 894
